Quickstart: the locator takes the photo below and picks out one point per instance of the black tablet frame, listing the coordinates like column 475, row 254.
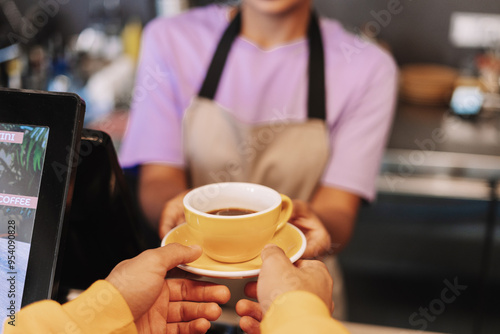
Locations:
column 63, row 113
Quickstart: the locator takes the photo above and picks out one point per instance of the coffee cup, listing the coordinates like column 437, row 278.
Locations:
column 233, row 221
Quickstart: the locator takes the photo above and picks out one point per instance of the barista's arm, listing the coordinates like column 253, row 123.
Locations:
column 158, row 184
column 337, row 209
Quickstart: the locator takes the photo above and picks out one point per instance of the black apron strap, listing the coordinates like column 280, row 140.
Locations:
column 211, row 82
column 316, row 100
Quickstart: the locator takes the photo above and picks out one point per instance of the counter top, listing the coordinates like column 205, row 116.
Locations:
column 231, row 318
column 433, row 152
column 437, row 129
column 355, row 328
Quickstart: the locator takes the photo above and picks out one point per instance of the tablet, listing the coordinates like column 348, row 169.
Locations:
column 39, row 141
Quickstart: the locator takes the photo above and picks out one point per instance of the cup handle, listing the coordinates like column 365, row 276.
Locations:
column 286, row 211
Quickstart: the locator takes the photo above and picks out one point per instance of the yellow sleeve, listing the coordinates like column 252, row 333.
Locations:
column 100, row 309
column 300, row 312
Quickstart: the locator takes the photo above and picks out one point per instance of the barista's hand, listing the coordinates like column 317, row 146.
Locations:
column 167, row 306
column 318, row 238
column 172, row 214
column 278, row 276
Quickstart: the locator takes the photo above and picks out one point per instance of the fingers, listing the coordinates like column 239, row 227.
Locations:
column 300, row 208
column 179, row 273
column 318, row 242
column 188, row 311
column 251, row 316
column 198, row 326
column 318, row 238
column 249, row 325
column 163, row 229
column 251, row 290
column 318, row 279
column 316, row 270
column 167, row 221
column 279, row 276
column 248, row 308
column 313, row 264
column 188, row 290
column 172, row 214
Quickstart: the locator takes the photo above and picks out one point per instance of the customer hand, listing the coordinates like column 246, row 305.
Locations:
column 317, row 236
column 161, row 306
column 172, row 214
column 277, row 276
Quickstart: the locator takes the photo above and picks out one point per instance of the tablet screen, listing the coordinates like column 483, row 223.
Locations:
column 22, row 155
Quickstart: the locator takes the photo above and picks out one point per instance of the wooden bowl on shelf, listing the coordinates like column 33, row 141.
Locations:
column 427, row 84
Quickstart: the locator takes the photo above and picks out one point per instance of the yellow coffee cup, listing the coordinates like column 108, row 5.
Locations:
column 259, row 212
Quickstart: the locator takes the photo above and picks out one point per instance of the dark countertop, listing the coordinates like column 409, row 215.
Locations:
column 436, row 129
column 432, row 152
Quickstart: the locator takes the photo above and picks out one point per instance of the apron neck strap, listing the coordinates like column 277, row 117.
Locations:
column 316, row 100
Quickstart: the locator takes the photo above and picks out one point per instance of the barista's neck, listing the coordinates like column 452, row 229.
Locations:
column 269, row 30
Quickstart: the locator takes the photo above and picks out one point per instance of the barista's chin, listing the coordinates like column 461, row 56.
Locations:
column 277, row 7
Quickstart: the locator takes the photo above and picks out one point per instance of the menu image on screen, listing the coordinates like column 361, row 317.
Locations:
column 22, row 154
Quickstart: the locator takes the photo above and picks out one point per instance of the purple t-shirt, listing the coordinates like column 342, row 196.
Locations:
column 262, row 86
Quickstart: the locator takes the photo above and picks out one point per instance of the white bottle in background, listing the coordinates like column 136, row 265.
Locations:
column 170, row 7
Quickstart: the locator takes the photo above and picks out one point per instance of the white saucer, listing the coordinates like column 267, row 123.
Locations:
column 289, row 238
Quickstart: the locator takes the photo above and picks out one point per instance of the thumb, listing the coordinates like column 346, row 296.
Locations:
column 167, row 223
column 274, row 258
column 174, row 254
column 275, row 267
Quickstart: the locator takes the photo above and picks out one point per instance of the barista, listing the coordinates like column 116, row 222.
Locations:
column 280, row 99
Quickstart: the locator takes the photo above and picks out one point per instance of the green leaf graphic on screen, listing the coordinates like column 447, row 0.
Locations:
column 21, row 164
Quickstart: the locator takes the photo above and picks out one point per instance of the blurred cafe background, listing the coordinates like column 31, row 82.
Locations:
column 426, row 254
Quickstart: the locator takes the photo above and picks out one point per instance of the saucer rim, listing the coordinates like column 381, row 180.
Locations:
column 235, row 274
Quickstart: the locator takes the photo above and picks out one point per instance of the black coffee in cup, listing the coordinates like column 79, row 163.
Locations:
column 231, row 212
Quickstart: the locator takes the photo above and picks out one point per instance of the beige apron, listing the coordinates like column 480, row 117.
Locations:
column 287, row 156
